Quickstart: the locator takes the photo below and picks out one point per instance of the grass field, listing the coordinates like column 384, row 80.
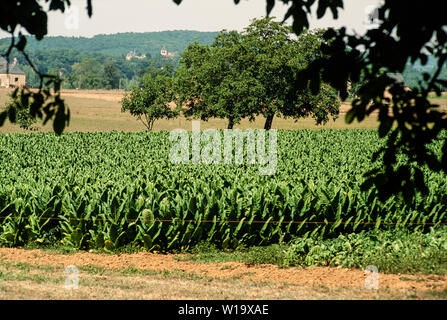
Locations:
column 100, row 110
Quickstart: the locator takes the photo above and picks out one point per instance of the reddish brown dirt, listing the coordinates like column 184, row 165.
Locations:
column 313, row 276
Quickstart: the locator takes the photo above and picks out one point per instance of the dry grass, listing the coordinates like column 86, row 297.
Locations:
column 33, row 274
column 106, row 284
column 100, row 110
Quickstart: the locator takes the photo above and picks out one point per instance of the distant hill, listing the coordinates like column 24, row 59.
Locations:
column 122, row 43
column 61, row 53
column 58, row 55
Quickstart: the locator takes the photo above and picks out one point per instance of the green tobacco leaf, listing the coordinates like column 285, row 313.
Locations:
column 147, row 241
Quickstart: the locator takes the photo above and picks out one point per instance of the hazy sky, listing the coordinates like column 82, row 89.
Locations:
column 114, row 16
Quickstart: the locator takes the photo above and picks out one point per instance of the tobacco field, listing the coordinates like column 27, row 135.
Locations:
column 109, row 190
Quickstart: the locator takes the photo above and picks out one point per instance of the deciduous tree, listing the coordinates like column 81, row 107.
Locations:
column 150, row 100
column 217, row 81
column 243, row 75
column 110, row 76
column 276, row 60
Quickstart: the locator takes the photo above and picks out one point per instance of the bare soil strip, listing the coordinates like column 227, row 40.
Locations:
column 173, row 279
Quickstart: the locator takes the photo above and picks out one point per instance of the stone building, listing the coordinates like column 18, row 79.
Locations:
column 12, row 78
column 133, row 55
column 167, row 54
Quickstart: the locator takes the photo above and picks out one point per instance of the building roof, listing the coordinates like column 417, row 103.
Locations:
column 12, row 69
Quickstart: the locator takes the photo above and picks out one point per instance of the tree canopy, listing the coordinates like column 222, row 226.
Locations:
column 212, row 80
column 243, row 75
column 149, row 101
column 120, row 44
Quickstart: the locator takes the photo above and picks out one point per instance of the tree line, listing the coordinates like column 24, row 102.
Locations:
column 71, row 57
column 115, row 72
column 85, row 70
column 240, row 75
column 118, row 45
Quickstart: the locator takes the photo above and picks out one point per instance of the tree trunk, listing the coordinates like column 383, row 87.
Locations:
column 230, row 123
column 268, row 121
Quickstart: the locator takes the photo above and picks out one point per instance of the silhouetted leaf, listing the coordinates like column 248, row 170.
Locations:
column 22, row 42
column 322, row 6
column 60, row 119
column 441, row 82
column 270, row 5
column 385, row 127
column 89, row 8
column 3, row 117
column 57, row 5
column 12, row 114
column 350, row 115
